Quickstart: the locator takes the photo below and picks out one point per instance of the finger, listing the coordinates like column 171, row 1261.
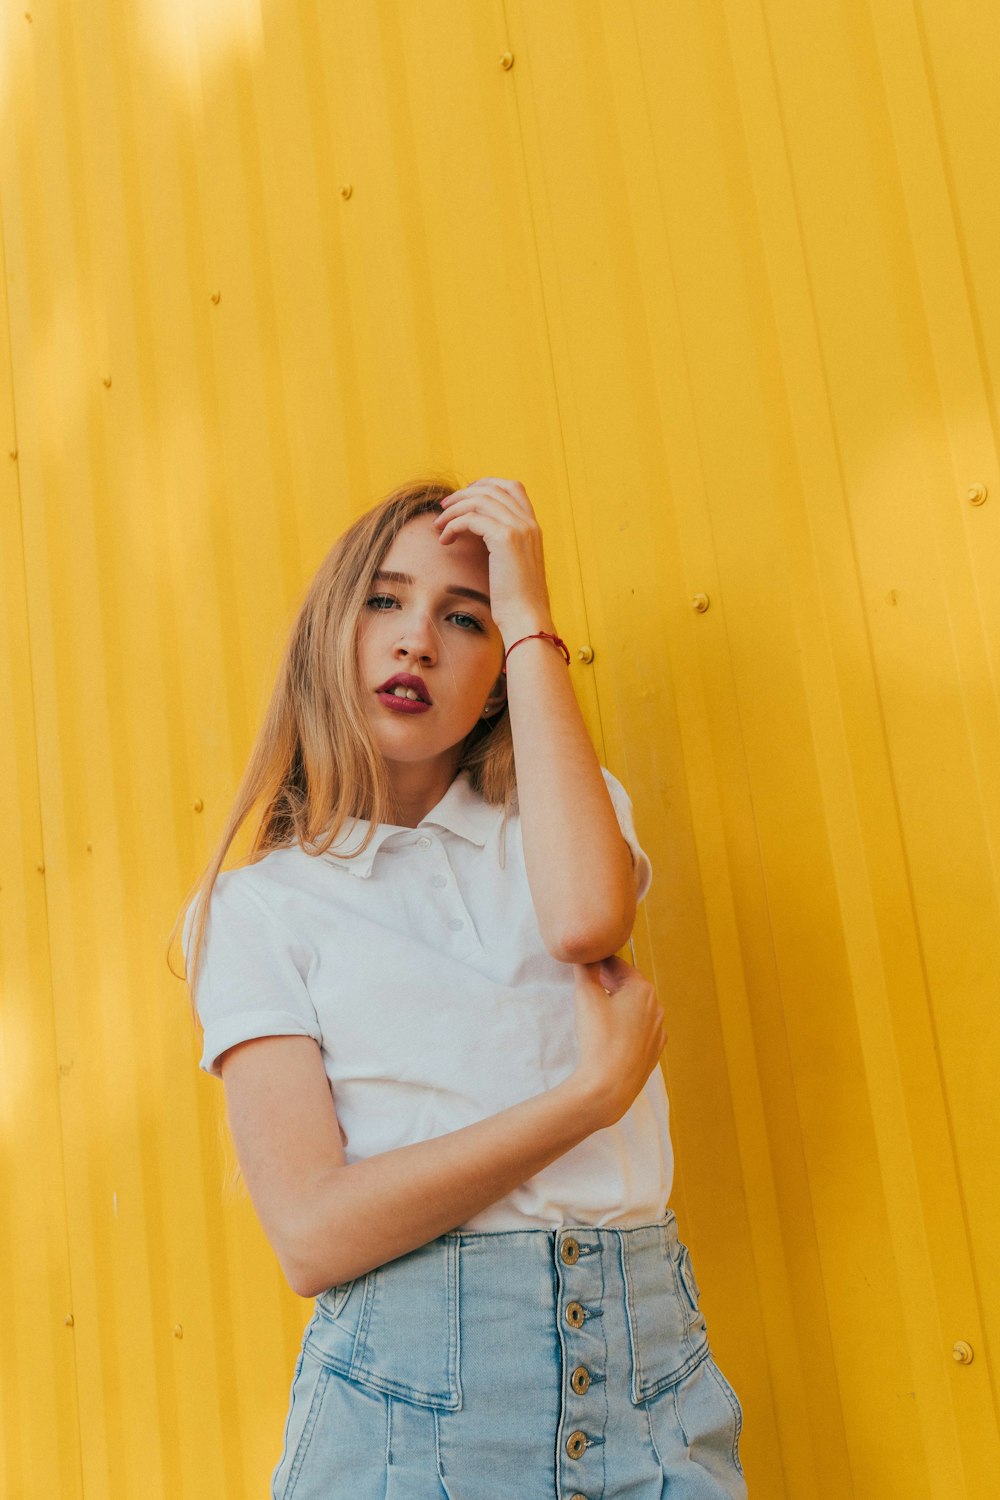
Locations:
column 488, row 527
column 498, row 519
column 497, row 500
column 515, row 489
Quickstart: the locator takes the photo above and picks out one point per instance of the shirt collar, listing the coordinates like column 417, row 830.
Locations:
column 462, row 810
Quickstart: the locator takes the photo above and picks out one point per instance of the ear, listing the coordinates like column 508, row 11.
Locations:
column 498, row 696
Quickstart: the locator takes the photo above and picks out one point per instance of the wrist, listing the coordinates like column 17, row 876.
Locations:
column 527, row 624
column 589, row 1098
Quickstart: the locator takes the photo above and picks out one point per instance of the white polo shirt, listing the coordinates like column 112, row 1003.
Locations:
column 420, row 970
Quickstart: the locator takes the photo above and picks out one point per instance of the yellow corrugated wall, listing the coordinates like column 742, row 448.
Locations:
column 719, row 281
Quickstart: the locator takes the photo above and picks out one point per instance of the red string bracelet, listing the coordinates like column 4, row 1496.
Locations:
column 544, row 635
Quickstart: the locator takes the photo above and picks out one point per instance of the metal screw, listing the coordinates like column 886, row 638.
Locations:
column 976, row 494
column 585, row 653
column 507, row 60
column 962, row 1353
column 700, row 603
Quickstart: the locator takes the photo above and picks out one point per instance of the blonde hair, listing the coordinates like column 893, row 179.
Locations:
column 315, row 761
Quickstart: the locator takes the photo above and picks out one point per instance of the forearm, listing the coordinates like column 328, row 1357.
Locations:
column 371, row 1211
column 578, row 864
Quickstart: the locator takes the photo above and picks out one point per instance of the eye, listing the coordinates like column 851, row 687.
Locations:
column 376, row 601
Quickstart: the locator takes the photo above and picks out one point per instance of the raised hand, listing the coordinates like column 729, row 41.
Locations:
column 499, row 511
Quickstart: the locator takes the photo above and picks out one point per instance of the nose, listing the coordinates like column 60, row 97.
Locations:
column 418, row 638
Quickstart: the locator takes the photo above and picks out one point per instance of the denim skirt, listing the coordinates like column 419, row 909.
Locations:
column 548, row 1364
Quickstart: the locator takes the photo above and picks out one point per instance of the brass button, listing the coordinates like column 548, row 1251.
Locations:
column 570, row 1251
column 575, row 1444
column 575, row 1314
column 580, row 1379
column 578, row 1496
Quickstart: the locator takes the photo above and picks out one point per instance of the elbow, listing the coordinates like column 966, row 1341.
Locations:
column 299, row 1271
column 600, row 939
column 308, row 1259
column 306, row 1278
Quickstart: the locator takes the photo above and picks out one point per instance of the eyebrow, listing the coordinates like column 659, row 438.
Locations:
column 455, row 589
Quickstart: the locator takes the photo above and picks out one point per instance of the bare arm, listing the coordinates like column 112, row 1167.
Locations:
column 578, row 864
column 329, row 1221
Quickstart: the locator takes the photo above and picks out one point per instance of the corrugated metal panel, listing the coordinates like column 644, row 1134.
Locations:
column 718, row 283
column 39, row 1438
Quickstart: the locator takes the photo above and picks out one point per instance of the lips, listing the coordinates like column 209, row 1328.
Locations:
column 407, row 680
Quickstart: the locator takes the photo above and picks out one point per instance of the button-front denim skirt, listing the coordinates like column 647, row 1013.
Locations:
column 562, row 1364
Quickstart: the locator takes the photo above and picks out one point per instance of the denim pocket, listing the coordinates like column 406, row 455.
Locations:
column 666, row 1327
column 396, row 1330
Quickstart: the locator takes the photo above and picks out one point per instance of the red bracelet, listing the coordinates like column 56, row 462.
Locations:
column 544, row 635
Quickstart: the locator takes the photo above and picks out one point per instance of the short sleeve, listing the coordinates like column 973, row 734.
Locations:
column 622, row 805
column 251, row 978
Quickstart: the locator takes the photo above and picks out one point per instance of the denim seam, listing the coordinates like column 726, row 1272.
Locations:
column 322, row 1381
column 454, row 1273
column 640, row 1392
column 735, row 1407
column 451, row 1400
column 296, row 1374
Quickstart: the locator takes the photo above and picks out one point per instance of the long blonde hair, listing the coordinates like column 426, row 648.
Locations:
column 315, row 761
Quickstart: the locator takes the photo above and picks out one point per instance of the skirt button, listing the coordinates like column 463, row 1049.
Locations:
column 576, row 1443
column 580, row 1379
column 570, row 1251
column 575, row 1314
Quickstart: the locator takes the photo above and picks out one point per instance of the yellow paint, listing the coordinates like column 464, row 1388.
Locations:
column 718, row 282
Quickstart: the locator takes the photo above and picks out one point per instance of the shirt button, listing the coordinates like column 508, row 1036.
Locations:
column 456, row 925
column 423, row 843
column 569, row 1251
column 575, row 1314
column 576, row 1443
column 580, row 1379
column 439, row 881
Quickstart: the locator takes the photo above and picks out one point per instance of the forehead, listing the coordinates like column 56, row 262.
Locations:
column 418, row 551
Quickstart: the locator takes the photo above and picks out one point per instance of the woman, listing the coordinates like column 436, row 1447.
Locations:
column 441, row 1083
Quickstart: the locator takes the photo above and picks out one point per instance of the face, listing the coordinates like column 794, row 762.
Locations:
column 429, row 629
